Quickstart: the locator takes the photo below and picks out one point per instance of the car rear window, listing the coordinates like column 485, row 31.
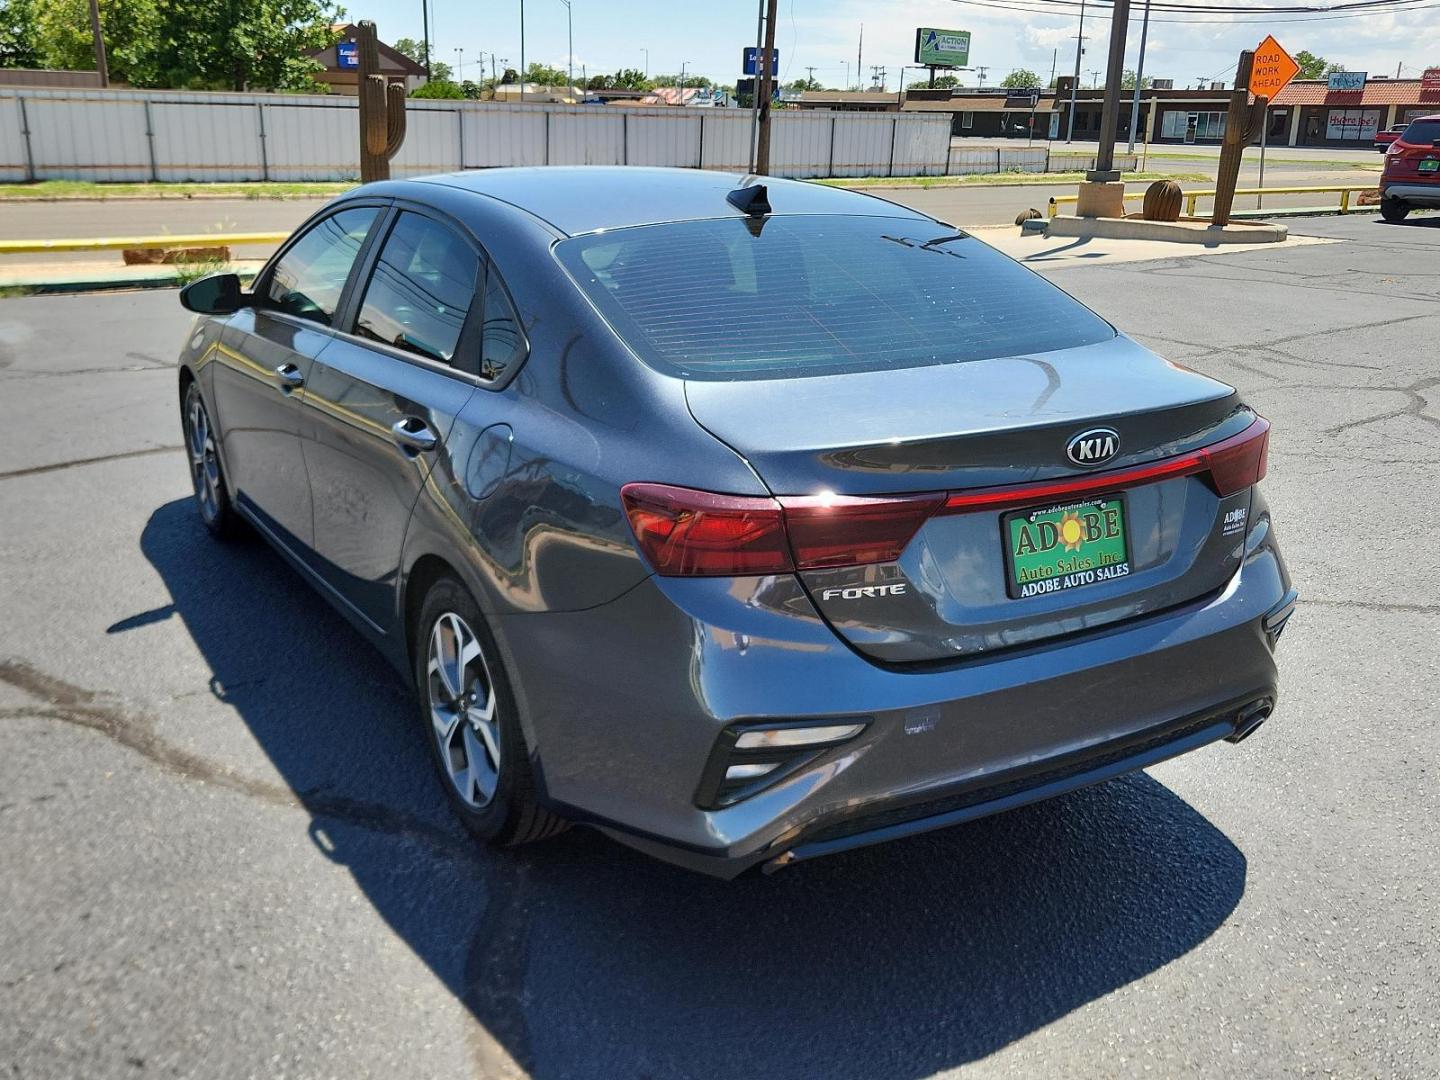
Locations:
column 1422, row 132
column 817, row 295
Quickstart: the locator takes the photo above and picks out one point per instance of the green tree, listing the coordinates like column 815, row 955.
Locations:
column 545, row 75
column 409, row 47
column 1020, row 79
column 235, row 45
column 509, row 76
column 1127, row 81
column 1312, row 66
column 439, row 88
column 674, row 80
column 946, row 82
column 803, row 84
column 18, row 44
column 441, row 72
column 63, row 40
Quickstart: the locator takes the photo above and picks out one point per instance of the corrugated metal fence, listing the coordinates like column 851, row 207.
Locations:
column 163, row 135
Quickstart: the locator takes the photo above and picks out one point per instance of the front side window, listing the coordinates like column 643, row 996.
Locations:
column 310, row 276
column 818, row 295
column 421, row 289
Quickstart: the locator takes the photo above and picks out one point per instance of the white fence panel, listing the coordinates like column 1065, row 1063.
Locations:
column 1020, row 159
column 312, row 142
column 800, row 143
column 432, row 142
column 920, row 145
column 656, row 138
column 504, row 135
column 206, row 142
column 84, row 139
column 12, row 142
column 727, row 140
column 590, row 137
column 862, row 144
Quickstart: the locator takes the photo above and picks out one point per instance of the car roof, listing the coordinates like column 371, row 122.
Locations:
column 587, row 198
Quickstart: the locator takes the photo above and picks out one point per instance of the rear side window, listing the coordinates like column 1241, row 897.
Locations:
column 811, row 295
column 421, row 289
column 501, row 344
column 1422, row 132
column 309, row 278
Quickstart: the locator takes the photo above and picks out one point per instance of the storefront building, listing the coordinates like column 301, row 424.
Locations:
column 1320, row 116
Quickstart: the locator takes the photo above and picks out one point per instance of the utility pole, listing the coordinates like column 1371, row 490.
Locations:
column 522, row 51
column 1075, row 86
column 763, row 83
column 847, row 74
column 1094, row 78
column 570, row 56
column 1139, row 78
column 877, row 76
column 755, row 82
column 859, row 60
column 425, row 34
column 810, row 77
column 980, row 71
column 1110, row 111
column 102, row 68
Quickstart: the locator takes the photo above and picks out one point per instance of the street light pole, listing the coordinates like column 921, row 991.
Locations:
column 570, row 37
column 1079, row 48
column 647, row 61
column 522, row 51
column 1139, row 78
column 425, row 33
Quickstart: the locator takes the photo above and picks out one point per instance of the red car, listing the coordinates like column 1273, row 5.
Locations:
column 1383, row 139
column 1411, row 177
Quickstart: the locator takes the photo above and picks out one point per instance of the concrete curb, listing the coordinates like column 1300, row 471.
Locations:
column 1184, row 231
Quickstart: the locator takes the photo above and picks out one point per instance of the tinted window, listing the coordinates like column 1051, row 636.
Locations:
column 819, row 295
column 1423, row 132
column 309, row 278
column 421, row 290
column 500, row 341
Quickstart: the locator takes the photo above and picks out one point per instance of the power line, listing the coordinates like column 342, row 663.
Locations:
column 1030, row 7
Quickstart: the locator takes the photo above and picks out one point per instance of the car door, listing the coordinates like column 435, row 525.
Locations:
column 264, row 360
column 383, row 397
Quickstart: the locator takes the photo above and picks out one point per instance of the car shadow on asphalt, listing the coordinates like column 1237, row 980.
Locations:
column 580, row 958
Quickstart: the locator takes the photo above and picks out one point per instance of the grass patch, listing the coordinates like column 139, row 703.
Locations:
column 88, row 189
column 1004, row 179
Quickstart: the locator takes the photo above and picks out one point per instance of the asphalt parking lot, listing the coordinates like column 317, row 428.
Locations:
column 222, row 853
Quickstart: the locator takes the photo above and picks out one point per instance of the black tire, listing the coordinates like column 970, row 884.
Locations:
column 207, row 475
column 1393, row 210
column 510, row 813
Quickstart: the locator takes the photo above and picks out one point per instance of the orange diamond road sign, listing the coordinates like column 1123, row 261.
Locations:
column 1273, row 69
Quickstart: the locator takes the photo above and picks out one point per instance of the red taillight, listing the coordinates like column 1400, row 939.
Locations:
column 847, row 530
column 1241, row 460
column 688, row 533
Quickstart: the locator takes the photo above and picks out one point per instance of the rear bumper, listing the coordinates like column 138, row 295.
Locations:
column 1413, row 194
column 624, row 704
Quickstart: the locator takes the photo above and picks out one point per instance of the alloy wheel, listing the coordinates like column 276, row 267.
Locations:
column 462, row 710
column 200, row 447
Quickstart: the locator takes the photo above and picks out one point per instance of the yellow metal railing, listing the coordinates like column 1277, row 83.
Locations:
column 163, row 243
column 1191, row 197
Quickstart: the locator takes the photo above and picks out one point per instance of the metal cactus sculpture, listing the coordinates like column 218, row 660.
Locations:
column 1242, row 123
column 382, row 109
column 1162, row 201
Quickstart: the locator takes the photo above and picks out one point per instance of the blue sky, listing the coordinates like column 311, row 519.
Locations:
column 708, row 37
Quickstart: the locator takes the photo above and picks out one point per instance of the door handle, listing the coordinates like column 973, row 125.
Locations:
column 290, row 376
column 414, row 434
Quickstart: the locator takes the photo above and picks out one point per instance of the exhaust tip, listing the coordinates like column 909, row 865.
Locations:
column 1249, row 719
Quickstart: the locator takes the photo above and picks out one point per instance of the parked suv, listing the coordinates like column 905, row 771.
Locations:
column 1411, row 177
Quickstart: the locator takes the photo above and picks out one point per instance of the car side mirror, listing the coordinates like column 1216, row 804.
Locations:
column 218, row 294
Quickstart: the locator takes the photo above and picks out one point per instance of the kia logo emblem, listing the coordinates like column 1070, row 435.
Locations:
column 1094, row 446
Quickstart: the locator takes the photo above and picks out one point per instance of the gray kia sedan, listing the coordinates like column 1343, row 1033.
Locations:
column 743, row 519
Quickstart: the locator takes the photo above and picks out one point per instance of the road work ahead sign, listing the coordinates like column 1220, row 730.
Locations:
column 1273, row 69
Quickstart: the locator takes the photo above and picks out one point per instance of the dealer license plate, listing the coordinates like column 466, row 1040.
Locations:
column 1429, row 165
column 1055, row 548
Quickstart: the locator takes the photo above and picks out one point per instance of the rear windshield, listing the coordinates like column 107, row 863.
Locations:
column 1422, row 132
column 812, row 295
